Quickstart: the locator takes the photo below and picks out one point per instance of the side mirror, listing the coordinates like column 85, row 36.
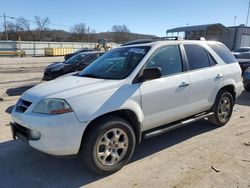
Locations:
column 151, row 73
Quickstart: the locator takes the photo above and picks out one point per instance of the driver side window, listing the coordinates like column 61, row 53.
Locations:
column 168, row 59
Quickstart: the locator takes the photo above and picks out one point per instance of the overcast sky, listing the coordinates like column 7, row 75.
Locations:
column 141, row 16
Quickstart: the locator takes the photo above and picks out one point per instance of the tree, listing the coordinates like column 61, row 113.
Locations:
column 120, row 29
column 79, row 32
column 120, row 33
column 13, row 30
column 23, row 24
column 42, row 25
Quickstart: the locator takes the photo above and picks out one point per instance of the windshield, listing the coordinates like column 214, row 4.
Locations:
column 242, row 50
column 75, row 59
column 116, row 64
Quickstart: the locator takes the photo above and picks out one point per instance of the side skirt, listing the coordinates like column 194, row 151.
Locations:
column 169, row 127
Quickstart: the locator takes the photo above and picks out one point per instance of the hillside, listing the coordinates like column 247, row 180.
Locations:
column 64, row 36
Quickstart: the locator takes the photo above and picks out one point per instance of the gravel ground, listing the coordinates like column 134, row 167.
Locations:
column 199, row 155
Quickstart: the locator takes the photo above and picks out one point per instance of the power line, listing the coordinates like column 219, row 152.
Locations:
column 55, row 24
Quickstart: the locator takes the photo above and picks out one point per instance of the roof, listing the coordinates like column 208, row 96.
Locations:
column 91, row 52
column 217, row 26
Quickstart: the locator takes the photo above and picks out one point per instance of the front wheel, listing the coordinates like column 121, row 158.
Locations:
column 222, row 108
column 109, row 145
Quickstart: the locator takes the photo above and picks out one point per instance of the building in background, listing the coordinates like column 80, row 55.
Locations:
column 232, row 37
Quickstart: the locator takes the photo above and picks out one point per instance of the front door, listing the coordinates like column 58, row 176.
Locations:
column 165, row 99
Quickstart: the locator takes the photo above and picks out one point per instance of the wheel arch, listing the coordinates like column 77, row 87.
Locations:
column 231, row 89
column 126, row 114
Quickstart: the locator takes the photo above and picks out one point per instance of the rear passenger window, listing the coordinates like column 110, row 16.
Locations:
column 223, row 52
column 168, row 59
column 212, row 61
column 197, row 56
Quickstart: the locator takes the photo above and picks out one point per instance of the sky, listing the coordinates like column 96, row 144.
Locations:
column 140, row 16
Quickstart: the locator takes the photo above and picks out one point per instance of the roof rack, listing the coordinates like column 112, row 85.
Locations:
column 154, row 39
column 195, row 38
column 143, row 41
column 168, row 38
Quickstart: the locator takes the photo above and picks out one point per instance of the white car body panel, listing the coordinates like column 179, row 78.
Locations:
column 163, row 101
column 203, row 88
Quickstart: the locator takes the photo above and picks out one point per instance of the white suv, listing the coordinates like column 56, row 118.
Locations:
column 136, row 91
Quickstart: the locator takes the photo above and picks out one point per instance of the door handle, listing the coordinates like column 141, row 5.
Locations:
column 184, row 84
column 219, row 76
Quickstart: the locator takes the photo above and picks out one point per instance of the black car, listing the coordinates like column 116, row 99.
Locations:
column 244, row 64
column 67, row 56
column 246, row 79
column 75, row 63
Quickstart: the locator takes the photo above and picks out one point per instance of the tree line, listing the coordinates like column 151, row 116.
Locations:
column 20, row 29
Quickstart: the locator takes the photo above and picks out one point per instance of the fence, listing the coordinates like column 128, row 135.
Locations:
column 35, row 48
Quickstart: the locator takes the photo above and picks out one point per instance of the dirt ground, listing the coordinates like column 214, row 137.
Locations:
column 199, row 155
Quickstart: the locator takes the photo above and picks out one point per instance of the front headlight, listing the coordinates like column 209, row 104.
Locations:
column 52, row 106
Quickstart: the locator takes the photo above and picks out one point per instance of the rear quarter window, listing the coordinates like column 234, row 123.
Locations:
column 223, row 52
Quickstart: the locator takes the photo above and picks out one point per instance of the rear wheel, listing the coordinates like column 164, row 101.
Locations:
column 109, row 145
column 222, row 108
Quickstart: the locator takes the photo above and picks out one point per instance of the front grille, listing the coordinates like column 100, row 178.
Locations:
column 22, row 105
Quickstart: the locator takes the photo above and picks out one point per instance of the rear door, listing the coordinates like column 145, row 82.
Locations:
column 206, row 78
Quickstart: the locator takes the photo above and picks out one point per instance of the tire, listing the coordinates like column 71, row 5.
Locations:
column 247, row 87
column 102, row 152
column 222, row 108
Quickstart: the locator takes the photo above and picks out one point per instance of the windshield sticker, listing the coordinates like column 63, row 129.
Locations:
column 137, row 50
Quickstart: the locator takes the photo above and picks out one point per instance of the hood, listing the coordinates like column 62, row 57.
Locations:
column 69, row 87
column 55, row 65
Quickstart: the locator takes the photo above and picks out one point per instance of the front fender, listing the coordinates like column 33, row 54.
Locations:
column 88, row 108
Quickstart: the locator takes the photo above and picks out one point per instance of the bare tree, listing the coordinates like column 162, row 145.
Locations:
column 79, row 32
column 120, row 29
column 42, row 25
column 120, row 33
column 13, row 30
column 23, row 24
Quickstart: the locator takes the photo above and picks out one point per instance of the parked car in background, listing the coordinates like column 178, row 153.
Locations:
column 244, row 64
column 242, row 53
column 131, row 92
column 67, row 56
column 246, row 79
column 75, row 63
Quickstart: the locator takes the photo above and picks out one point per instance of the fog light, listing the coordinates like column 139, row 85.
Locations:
column 34, row 135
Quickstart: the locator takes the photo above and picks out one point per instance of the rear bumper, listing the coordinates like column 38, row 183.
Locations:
column 239, row 89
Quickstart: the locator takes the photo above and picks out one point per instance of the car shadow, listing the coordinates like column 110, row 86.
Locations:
column 166, row 140
column 18, row 90
column 244, row 99
column 22, row 166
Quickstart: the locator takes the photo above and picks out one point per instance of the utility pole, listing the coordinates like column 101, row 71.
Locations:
column 88, row 34
column 235, row 17
column 248, row 12
column 5, row 26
